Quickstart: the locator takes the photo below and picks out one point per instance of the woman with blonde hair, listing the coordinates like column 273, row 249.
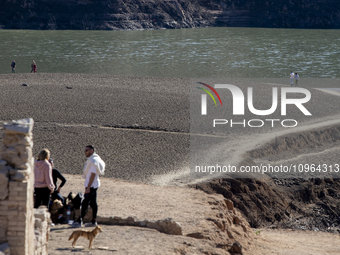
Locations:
column 43, row 182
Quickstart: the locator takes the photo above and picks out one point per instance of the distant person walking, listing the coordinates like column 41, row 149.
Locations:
column 33, row 67
column 296, row 78
column 291, row 78
column 94, row 166
column 13, row 66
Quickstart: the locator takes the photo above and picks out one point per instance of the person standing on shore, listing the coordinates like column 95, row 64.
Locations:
column 33, row 67
column 43, row 182
column 13, row 64
column 291, row 78
column 296, row 78
column 94, row 166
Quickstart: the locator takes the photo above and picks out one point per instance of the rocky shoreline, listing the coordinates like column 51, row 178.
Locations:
column 170, row 14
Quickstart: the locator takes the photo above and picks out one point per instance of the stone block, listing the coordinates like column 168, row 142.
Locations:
column 23, row 203
column 3, row 232
column 22, row 215
column 17, row 250
column 26, row 140
column 22, row 233
column 18, row 189
column 17, row 161
column 3, row 185
column 153, row 225
column 3, row 222
column 130, row 219
column 17, row 198
column 37, row 223
column 23, row 184
column 25, row 166
column 20, row 176
column 16, row 228
column 41, row 213
column 10, row 151
column 168, row 226
column 143, row 223
column 13, row 223
column 13, row 184
column 8, row 203
column 13, row 194
column 10, row 140
column 106, row 220
column 17, row 242
column 23, row 126
column 3, row 167
column 23, row 194
column 122, row 222
column 25, row 152
column 3, row 208
column 12, row 233
column 4, row 213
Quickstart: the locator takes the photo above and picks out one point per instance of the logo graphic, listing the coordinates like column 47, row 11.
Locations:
column 239, row 103
column 204, row 97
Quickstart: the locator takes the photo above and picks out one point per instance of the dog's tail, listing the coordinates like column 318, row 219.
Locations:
column 71, row 236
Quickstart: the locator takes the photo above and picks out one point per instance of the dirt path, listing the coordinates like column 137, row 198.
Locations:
column 293, row 242
column 191, row 208
column 132, row 240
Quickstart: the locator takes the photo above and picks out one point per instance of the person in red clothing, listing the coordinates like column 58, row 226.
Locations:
column 43, row 182
column 33, row 67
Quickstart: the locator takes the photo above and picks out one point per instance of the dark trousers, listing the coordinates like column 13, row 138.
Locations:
column 92, row 199
column 42, row 197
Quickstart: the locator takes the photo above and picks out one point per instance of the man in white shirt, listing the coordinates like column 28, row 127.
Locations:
column 291, row 78
column 93, row 167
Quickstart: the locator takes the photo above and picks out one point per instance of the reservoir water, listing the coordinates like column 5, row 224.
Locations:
column 190, row 53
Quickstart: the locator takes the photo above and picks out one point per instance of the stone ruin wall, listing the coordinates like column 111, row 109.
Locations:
column 23, row 230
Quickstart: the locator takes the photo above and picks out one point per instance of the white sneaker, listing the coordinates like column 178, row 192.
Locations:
column 91, row 224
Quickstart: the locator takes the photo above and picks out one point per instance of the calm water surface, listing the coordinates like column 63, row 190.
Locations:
column 203, row 52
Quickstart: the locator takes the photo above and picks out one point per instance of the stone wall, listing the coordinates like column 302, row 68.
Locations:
column 42, row 230
column 17, row 218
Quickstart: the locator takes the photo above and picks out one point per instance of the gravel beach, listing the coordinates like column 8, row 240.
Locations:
column 139, row 125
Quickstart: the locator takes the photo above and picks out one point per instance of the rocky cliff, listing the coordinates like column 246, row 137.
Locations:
column 156, row 14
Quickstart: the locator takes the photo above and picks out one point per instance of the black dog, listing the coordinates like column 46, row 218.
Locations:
column 75, row 200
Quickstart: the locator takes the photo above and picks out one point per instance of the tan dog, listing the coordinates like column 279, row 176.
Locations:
column 87, row 234
column 56, row 205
